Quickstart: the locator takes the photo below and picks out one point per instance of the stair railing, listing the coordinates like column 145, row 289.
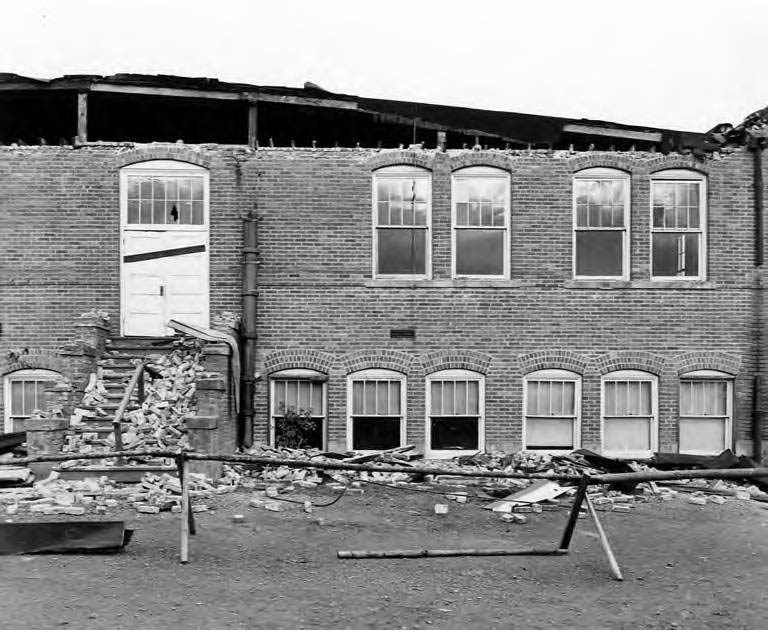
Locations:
column 136, row 379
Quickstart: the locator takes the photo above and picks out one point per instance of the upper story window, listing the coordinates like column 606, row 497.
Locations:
column 401, row 222
column 24, row 393
column 601, row 224
column 299, row 391
column 376, row 407
column 164, row 193
column 630, row 414
column 678, row 225
column 455, row 412
column 706, row 412
column 481, row 223
column 552, row 404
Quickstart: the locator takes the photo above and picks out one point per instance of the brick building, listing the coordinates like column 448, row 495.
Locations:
column 468, row 281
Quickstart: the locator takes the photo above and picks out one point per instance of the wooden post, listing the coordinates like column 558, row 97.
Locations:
column 253, row 123
column 578, row 499
column 604, row 541
column 185, row 508
column 82, row 117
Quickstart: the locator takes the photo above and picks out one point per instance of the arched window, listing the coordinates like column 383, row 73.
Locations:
column 601, row 210
column 678, row 225
column 480, row 217
column 301, row 392
column 376, row 406
column 402, row 201
column 706, row 412
column 24, row 393
column 455, row 413
column 630, row 414
column 552, row 405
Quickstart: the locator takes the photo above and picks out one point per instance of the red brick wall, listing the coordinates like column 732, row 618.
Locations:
column 319, row 307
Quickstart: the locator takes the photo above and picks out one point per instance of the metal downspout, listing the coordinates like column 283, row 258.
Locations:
column 756, row 145
column 248, row 327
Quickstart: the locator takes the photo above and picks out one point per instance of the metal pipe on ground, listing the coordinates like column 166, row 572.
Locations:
column 442, row 553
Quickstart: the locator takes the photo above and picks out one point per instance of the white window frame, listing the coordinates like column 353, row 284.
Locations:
column 398, row 172
column 471, row 173
column 160, row 168
column 45, row 375
column 298, row 374
column 632, row 375
column 717, row 376
column 682, row 176
column 377, row 374
column 557, row 375
column 605, row 173
column 454, row 374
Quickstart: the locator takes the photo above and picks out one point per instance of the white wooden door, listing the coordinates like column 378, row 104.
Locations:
column 165, row 276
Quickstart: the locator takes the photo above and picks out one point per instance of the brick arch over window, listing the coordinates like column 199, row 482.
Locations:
column 553, row 359
column 295, row 358
column 652, row 165
column 713, row 360
column 483, row 158
column 378, row 359
column 401, row 157
column 639, row 360
column 456, row 359
column 601, row 159
column 32, row 359
column 163, row 152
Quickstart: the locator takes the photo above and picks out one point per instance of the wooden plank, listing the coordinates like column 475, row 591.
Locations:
column 82, row 117
column 183, row 468
column 441, row 553
column 604, row 541
column 578, row 499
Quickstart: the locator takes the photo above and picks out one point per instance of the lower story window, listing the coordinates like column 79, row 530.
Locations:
column 630, row 426
column 552, row 404
column 298, row 409
column 455, row 412
column 376, row 406
column 24, row 393
column 705, row 412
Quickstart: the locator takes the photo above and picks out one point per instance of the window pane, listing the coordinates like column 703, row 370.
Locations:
column 382, row 398
column 569, row 398
column 30, row 400
column 17, row 398
column 278, row 402
column 702, row 435
column 133, row 212
column 686, row 398
column 292, row 394
column 479, row 252
column 675, row 255
column 532, row 398
column 357, row 397
column 373, row 433
column 473, row 397
column 394, row 397
column 454, row 433
column 304, row 394
column 623, row 435
column 316, row 403
column 402, row 251
column 133, row 188
column 448, row 393
column 461, row 397
column 599, row 253
column 370, row 397
column 611, row 401
column 550, row 433
column 436, row 396
column 197, row 213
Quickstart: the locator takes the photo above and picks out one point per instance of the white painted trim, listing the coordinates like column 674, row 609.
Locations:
column 298, row 376
column 454, row 374
column 556, row 375
column 604, row 173
column 682, row 176
column 19, row 375
column 163, row 168
column 469, row 173
column 397, row 172
column 632, row 375
column 705, row 375
column 377, row 374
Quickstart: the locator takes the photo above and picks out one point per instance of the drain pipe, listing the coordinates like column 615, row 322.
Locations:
column 761, row 337
column 248, row 326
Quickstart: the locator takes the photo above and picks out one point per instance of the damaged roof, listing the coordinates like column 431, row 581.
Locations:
column 514, row 128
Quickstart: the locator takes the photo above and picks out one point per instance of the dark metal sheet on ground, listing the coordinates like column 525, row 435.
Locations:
column 60, row 537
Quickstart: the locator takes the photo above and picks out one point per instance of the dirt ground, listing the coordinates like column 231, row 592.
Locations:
column 685, row 566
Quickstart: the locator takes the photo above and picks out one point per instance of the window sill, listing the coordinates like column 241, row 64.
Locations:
column 446, row 283
column 643, row 284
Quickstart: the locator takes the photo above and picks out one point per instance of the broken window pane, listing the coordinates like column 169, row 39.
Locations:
column 454, row 433
column 402, row 251
column 375, row 433
column 675, row 254
column 479, row 252
column 599, row 253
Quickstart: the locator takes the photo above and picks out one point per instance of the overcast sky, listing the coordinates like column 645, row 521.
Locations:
column 685, row 64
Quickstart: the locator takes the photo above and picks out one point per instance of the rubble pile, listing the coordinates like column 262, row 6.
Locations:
column 158, row 423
